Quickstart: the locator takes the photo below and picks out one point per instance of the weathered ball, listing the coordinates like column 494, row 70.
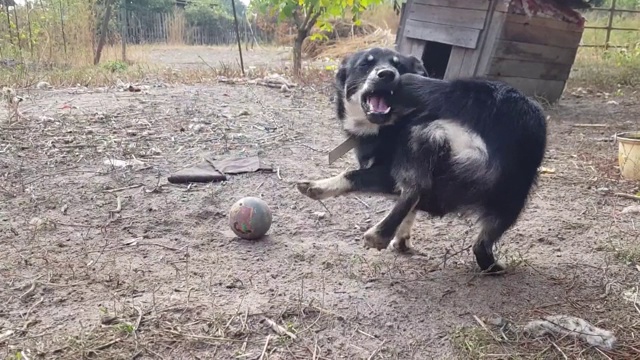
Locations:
column 250, row 218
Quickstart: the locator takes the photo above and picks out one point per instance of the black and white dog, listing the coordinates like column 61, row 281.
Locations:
column 437, row 146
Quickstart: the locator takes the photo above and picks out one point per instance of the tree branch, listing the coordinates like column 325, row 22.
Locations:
column 296, row 18
column 307, row 17
column 310, row 20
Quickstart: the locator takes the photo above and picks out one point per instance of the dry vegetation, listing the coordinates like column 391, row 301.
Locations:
column 110, row 262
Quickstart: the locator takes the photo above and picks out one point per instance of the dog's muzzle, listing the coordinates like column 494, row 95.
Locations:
column 379, row 88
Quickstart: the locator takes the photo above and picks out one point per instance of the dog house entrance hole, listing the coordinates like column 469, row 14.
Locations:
column 436, row 58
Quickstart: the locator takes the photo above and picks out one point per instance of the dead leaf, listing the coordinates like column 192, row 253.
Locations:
column 545, row 170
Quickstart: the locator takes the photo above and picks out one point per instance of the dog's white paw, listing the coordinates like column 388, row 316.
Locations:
column 373, row 240
column 401, row 245
column 312, row 189
column 498, row 268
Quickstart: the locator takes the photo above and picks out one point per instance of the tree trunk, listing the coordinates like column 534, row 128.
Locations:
column 297, row 52
column 103, row 32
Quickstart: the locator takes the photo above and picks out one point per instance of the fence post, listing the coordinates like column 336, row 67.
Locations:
column 610, row 24
column 123, row 31
column 235, row 20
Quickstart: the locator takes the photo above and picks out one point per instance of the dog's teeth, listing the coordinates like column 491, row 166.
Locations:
column 387, row 111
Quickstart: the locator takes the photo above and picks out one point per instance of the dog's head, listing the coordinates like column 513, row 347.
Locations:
column 365, row 84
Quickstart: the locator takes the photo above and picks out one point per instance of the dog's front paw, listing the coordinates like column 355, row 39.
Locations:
column 373, row 240
column 311, row 189
column 402, row 246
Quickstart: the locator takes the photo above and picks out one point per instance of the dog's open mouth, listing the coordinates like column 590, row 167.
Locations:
column 377, row 103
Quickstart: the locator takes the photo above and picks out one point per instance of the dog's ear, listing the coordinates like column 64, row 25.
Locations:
column 341, row 75
column 417, row 66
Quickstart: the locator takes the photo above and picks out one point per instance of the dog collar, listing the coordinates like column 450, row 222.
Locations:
column 342, row 149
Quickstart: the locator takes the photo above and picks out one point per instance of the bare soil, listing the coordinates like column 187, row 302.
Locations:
column 106, row 262
column 185, row 57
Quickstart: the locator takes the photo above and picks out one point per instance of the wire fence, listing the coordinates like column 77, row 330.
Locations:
column 616, row 34
column 67, row 31
column 173, row 27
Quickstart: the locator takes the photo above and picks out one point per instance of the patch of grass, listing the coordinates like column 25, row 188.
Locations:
column 115, row 66
column 472, row 343
column 624, row 254
column 630, row 256
column 609, row 69
column 508, row 342
column 108, row 74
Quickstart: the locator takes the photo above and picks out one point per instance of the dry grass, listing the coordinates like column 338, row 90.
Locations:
column 338, row 49
column 504, row 338
column 382, row 16
column 127, row 330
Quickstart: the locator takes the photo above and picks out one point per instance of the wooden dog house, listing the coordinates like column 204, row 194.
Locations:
column 530, row 44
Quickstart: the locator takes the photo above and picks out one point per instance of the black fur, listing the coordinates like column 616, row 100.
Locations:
column 408, row 157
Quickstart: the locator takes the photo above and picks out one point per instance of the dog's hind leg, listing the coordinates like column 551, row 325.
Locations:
column 380, row 235
column 373, row 180
column 402, row 240
column 492, row 229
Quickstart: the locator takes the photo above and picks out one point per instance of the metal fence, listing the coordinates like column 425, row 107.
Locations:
column 611, row 26
column 172, row 27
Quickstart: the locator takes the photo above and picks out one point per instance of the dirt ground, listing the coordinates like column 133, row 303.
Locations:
column 107, row 262
column 184, row 57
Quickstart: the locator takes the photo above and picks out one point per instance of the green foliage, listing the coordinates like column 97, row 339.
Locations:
column 206, row 13
column 307, row 13
column 148, row 5
column 115, row 66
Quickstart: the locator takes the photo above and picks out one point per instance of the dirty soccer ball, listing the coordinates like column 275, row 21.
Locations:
column 250, row 218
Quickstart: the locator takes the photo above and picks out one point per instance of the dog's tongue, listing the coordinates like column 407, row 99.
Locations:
column 378, row 104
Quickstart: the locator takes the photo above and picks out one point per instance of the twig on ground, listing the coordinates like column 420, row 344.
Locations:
column 591, row 125
column 104, row 346
column 278, row 329
column 375, row 352
column 123, row 188
column 485, row 328
column 325, row 207
column 310, row 148
column 363, row 202
column 31, row 288
column 26, row 316
column 627, row 196
column 266, row 345
column 118, row 205
column 138, row 321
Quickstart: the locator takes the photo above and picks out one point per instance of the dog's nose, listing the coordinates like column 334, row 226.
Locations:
column 386, row 75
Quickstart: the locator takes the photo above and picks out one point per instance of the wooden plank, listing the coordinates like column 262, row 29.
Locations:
column 455, row 62
column 493, row 31
column 458, row 4
column 514, row 50
column 452, row 35
column 529, row 69
column 403, row 18
column 401, row 30
column 544, row 22
column 550, row 90
column 415, row 47
column 536, row 34
column 465, row 18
